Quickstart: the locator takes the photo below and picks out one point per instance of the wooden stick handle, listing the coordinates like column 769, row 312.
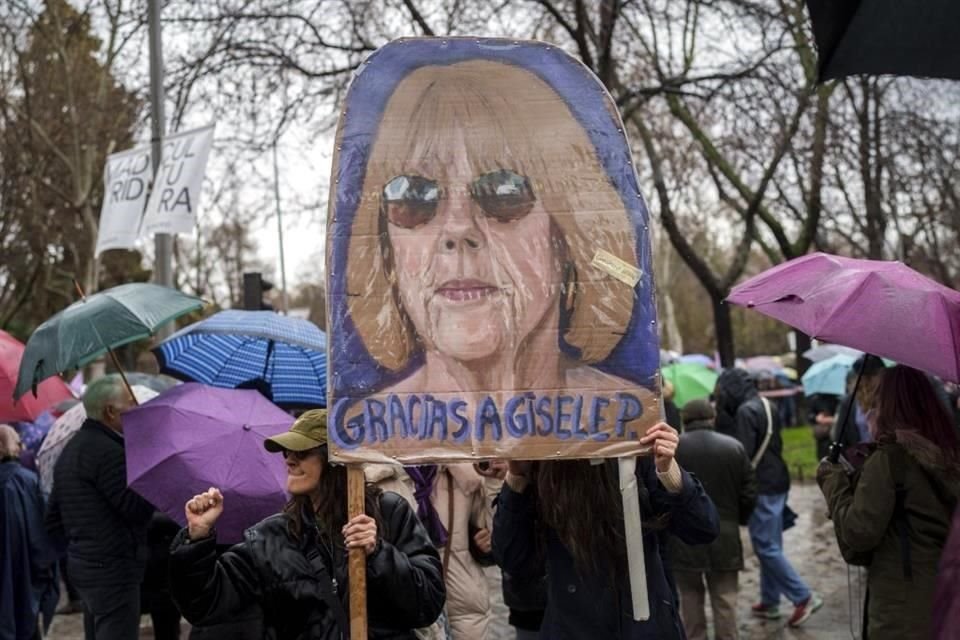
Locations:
column 357, row 564
column 123, row 376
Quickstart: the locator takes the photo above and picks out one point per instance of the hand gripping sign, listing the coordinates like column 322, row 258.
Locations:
column 490, row 292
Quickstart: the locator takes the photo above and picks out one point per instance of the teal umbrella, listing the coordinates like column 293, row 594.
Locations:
column 690, row 381
column 99, row 323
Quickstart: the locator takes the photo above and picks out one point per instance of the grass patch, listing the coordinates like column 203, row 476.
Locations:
column 800, row 452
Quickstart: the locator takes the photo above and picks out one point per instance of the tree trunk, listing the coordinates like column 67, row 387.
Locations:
column 724, row 329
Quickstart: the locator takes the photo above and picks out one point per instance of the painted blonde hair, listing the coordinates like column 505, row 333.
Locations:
column 510, row 119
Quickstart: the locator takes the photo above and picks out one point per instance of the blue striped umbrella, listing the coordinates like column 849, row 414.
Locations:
column 236, row 347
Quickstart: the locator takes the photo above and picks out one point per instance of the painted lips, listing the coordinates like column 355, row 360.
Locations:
column 466, row 290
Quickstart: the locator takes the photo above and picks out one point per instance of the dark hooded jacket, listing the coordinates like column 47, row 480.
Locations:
column 594, row 606
column 28, row 579
column 739, row 405
column 863, row 518
column 272, row 568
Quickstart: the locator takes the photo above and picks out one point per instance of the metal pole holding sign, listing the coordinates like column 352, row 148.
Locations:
column 163, row 242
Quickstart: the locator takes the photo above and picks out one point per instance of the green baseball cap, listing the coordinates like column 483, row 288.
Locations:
column 308, row 432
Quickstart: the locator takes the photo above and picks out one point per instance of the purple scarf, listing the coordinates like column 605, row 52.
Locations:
column 424, row 477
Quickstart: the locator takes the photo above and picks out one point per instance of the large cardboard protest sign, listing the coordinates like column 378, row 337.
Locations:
column 488, row 261
column 126, row 183
column 175, row 197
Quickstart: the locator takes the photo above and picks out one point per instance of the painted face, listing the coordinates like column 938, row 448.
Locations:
column 476, row 270
column 304, row 469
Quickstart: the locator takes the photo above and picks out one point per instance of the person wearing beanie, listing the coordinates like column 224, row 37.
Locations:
column 724, row 469
column 293, row 565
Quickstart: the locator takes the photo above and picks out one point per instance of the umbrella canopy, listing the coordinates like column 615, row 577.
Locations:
column 825, row 351
column 85, row 330
column 158, row 383
column 763, row 363
column 690, row 381
column 49, row 393
column 289, row 355
column 879, row 307
column 828, row 376
column 194, row 437
column 880, row 37
column 697, row 358
column 62, row 432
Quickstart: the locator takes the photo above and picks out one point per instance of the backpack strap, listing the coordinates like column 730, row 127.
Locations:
column 766, row 438
column 898, row 463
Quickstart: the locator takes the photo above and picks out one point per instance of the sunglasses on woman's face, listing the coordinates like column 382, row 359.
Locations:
column 300, row 456
column 411, row 201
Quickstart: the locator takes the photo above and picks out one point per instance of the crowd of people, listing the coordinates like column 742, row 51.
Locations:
column 554, row 528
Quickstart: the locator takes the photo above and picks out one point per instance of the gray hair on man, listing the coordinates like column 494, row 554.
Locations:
column 9, row 441
column 101, row 393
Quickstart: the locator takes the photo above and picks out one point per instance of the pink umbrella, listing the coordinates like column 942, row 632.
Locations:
column 28, row 408
column 880, row 307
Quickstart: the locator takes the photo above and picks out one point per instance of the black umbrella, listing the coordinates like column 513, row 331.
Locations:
column 879, row 37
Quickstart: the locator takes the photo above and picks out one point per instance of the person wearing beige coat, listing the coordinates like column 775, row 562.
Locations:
column 463, row 501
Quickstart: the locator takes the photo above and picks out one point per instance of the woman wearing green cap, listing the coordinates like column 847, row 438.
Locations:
column 294, row 564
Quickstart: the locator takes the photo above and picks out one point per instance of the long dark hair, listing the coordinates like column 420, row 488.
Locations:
column 581, row 502
column 907, row 400
column 331, row 503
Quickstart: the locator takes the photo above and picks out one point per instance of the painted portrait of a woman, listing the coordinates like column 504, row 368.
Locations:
column 489, row 269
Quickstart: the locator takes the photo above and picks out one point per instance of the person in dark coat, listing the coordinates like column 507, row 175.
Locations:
column 103, row 520
column 564, row 520
column 903, row 528
column 28, row 577
column 946, row 597
column 155, row 597
column 294, row 565
column 821, row 414
column 758, row 430
column 721, row 464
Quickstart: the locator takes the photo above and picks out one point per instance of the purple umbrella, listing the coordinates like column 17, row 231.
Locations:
column 883, row 308
column 194, row 437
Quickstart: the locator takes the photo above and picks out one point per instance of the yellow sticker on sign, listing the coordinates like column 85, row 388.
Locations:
column 614, row 266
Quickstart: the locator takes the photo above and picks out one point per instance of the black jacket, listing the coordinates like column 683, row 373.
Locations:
column 737, row 397
column 103, row 522
column 594, row 606
column 721, row 464
column 271, row 568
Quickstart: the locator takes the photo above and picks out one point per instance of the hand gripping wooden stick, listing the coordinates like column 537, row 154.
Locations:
column 357, row 563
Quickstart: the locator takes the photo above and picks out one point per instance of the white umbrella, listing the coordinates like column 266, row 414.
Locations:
column 63, row 431
column 826, row 351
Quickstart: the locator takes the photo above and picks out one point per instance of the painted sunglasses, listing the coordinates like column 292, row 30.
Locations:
column 410, row 201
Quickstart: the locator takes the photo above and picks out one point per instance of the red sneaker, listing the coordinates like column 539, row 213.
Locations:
column 766, row 611
column 805, row 609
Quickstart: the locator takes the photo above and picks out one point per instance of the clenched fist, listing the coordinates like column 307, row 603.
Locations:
column 202, row 512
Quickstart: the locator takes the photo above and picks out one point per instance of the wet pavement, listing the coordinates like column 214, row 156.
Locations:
column 810, row 545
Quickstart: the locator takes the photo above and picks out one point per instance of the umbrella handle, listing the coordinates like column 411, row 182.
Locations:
column 123, row 376
column 836, row 449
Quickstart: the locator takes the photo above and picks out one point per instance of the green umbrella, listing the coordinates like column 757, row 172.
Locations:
column 690, row 381
column 99, row 323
